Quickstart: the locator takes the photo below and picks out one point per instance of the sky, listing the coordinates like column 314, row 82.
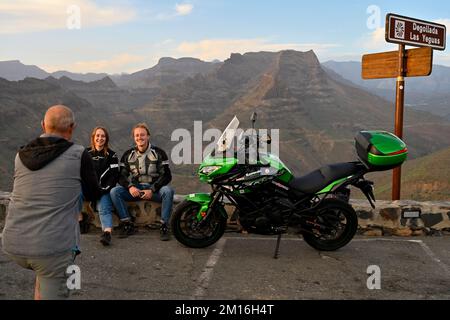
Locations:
column 125, row 36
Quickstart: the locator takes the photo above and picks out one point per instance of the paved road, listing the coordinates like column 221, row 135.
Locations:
column 241, row 267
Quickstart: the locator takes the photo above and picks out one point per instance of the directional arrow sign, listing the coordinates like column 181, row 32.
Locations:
column 419, row 62
column 414, row 32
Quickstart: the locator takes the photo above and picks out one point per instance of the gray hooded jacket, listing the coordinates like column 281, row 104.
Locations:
column 42, row 218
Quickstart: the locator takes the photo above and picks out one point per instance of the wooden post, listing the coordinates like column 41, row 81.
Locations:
column 404, row 63
column 399, row 107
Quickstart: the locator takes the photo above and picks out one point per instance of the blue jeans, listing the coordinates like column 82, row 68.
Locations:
column 105, row 211
column 120, row 195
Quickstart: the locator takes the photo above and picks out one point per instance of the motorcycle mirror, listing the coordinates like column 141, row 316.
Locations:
column 253, row 119
column 266, row 138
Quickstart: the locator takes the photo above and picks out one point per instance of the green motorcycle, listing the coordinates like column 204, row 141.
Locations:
column 267, row 198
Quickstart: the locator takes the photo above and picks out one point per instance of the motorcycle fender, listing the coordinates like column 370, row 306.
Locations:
column 204, row 200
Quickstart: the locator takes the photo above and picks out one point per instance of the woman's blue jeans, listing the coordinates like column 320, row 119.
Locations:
column 105, row 211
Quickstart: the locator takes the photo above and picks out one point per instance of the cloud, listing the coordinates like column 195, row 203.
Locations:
column 119, row 63
column 167, row 43
column 376, row 40
column 445, row 22
column 210, row 49
column 441, row 58
column 183, row 9
column 40, row 15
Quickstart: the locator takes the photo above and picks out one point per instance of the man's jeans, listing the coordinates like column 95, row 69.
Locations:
column 105, row 211
column 120, row 195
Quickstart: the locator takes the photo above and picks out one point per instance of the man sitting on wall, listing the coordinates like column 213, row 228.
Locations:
column 144, row 175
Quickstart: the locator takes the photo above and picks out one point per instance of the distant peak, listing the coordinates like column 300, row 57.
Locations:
column 306, row 56
column 11, row 61
column 310, row 51
column 105, row 82
column 51, row 78
column 169, row 60
column 165, row 60
column 295, row 52
column 235, row 57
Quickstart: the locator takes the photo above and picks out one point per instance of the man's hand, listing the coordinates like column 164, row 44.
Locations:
column 147, row 194
column 134, row 191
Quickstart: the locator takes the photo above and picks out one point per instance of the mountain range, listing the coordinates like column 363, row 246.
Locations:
column 430, row 94
column 317, row 110
column 423, row 179
column 14, row 70
column 166, row 72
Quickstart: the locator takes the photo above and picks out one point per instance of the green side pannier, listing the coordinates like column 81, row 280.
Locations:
column 380, row 150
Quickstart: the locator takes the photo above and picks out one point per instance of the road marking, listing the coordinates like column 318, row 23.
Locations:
column 262, row 238
column 433, row 257
column 386, row 239
column 422, row 244
column 300, row 239
column 206, row 275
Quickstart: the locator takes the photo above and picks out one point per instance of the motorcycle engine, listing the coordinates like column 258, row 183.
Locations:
column 265, row 221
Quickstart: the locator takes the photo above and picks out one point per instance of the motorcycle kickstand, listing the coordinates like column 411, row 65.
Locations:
column 277, row 248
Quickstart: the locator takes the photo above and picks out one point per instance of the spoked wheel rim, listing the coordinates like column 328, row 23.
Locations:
column 334, row 225
column 191, row 228
column 333, row 220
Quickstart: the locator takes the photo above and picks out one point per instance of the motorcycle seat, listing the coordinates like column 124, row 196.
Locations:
column 320, row 178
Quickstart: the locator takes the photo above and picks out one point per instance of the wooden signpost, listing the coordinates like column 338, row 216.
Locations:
column 419, row 62
column 404, row 63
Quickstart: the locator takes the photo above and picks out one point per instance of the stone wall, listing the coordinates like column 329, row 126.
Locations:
column 403, row 217
column 145, row 213
column 4, row 200
column 400, row 218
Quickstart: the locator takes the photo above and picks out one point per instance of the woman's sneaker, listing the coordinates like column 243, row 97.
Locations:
column 106, row 238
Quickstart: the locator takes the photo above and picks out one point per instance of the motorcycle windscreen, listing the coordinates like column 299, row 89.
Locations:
column 226, row 139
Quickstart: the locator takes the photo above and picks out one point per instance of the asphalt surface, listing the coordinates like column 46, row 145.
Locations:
column 241, row 266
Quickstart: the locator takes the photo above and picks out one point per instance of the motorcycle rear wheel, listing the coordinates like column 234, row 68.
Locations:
column 340, row 218
column 186, row 230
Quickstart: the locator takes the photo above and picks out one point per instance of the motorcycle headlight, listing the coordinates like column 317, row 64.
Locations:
column 209, row 169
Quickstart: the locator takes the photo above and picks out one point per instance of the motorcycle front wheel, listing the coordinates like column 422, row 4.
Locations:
column 188, row 231
column 333, row 226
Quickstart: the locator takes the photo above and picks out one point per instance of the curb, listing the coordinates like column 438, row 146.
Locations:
column 404, row 218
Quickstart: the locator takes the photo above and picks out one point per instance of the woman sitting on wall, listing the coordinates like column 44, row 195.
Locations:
column 106, row 165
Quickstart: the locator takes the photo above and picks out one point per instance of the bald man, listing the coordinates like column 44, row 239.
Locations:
column 41, row 229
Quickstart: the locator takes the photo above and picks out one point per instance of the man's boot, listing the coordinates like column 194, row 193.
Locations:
column 128, row 229
column 164, row 232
